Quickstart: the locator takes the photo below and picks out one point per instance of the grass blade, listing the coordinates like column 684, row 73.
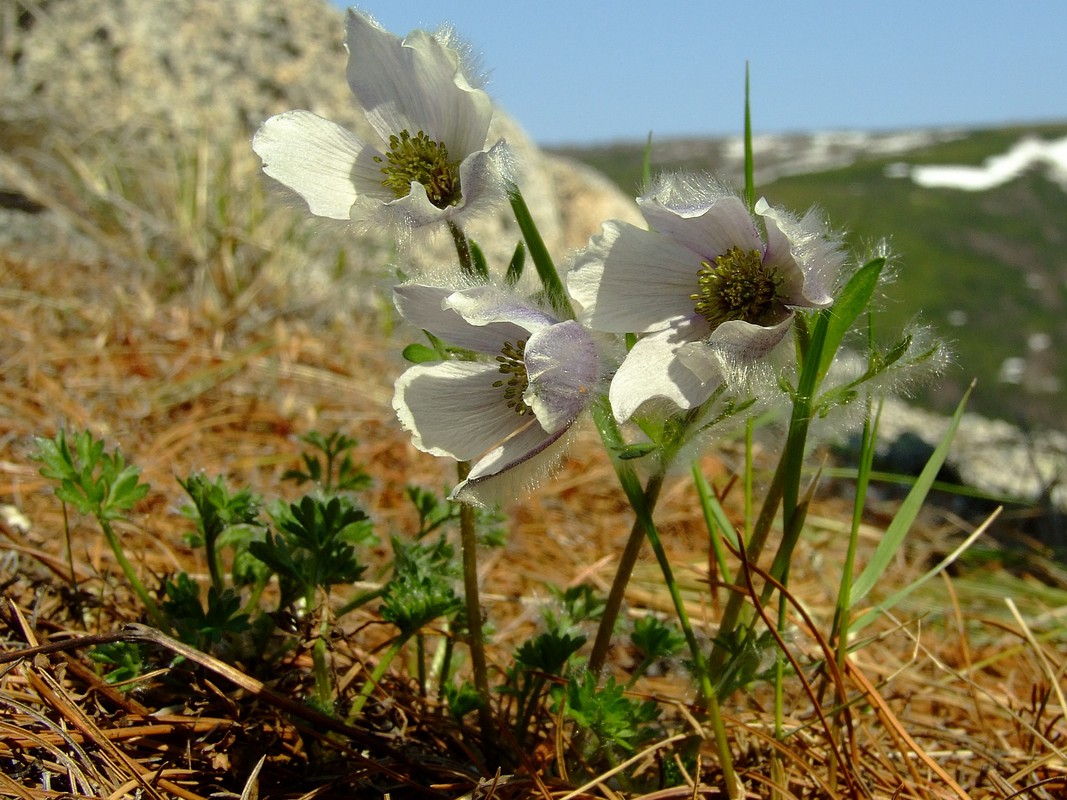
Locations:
column 909, row 510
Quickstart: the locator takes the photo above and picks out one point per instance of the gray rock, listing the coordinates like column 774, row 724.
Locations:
column 178, row 69
column 991, row 455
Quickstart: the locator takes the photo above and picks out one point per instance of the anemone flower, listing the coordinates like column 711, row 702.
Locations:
column 712, row 294
column 508, row 401
column 427, row 163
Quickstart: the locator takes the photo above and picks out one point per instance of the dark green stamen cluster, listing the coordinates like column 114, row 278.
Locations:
column 738, row 285
column 422, row 160
column 512, row 363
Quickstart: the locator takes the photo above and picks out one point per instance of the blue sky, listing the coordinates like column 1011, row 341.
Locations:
column 580, row 72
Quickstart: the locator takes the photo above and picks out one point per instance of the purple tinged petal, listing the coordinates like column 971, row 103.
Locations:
column 487, row 305
column 562, row 367
column 780, row 256
column 427, row 307
column 452, row 408
column 816, row 254
column 519, row 463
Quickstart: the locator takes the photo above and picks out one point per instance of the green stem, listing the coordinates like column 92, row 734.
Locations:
column 622, row 577
column 214, row 569
column 631, row 485
column 359, row 600
column 323, row 684
column 442, row 662
column 154, row 612
column 319, row 600
column 784, row 489
column 710, row 700
column 375, row 676
column 736, row 600
column 469, row 544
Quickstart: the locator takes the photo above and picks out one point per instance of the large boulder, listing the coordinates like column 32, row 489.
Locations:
column 222, row 67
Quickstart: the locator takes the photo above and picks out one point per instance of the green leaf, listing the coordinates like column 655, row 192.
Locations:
column 577, row 604
column 481, row 266
column 716, row 521
column 872, row 614
column 894, row 535
column 750, row 170
column 546, row 268
column 516, row 265
column 314, row 547
column 655, row 639
column 91, row 480
column 420, row 590
column 852, row 301
column 126, row 488
column 548, row 652
column 612, row 717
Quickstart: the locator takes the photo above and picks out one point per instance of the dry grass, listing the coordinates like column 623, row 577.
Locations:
column 945, row 701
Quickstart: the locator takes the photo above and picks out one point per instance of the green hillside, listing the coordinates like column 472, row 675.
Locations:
column 987, row 269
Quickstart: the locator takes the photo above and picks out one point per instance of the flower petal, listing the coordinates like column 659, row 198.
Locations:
column 415, row 84
column 452, row 408
column 632, row 280
column 480, row 319
column 709, row 230
column 805, row 254
column 487, row 305
column 741, row 342
column 561, row 367
column 511, row 469
column 317, row 159
column 652, row 370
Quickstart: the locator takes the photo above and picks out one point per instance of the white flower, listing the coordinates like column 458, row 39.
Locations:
column 428, row 164
column 508, row 408
column 711, row 292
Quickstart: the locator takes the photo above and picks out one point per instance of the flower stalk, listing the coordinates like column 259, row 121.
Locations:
column 642, row 501
column 475, row 640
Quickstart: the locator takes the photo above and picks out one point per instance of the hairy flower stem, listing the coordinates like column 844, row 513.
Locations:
column 463, row 251
column 784, row 490
column 622, row 577
column 469, row 544
column 631, row 485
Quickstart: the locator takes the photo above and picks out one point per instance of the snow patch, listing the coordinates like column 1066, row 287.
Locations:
column 1027, row 153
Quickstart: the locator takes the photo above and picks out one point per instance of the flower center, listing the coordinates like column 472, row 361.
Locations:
column 513, row 365
column 737, row 286
column 422, row 160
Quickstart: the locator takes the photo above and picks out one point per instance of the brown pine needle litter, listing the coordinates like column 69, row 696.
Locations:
column 957, row 693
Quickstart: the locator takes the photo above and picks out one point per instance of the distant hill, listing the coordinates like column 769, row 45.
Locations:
column 987, row 266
